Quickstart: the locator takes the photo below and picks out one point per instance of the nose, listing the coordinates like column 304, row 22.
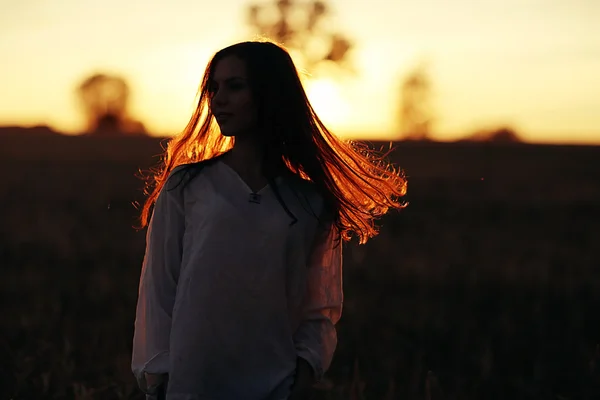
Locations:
column 219, row 97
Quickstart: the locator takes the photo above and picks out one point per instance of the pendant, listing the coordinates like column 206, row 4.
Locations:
column 254, row 198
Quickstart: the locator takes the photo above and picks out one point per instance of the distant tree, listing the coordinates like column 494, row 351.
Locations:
column 104, row 99
column 415, row 114
column 305, row 28
column 502, row 134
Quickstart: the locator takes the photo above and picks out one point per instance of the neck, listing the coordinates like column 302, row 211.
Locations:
column 246, row 155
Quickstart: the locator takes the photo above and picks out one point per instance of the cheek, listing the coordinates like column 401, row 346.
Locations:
column 249, row 110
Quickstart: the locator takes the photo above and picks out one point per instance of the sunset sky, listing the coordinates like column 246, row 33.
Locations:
column 530, row 64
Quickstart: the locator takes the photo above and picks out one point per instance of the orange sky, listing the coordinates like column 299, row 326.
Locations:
column 532, row 64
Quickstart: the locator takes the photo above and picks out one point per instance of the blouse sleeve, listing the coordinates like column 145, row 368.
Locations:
column 157, row 287
column 316, row 337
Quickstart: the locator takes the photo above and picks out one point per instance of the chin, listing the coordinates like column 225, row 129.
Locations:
column 226, row 132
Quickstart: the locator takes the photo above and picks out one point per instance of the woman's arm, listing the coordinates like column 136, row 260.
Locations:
column 316, row 337
column 157, row 288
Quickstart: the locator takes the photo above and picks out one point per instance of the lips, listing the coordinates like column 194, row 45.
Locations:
column 222, row 116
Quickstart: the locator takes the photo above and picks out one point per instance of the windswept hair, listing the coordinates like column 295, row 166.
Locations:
column 356, row 183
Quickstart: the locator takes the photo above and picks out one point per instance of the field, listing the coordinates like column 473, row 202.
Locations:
column 486, row 287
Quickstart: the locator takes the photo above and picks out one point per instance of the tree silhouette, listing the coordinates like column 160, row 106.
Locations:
column 416, row 115
column 304, row 27
column 502, row 134
column 104, row 99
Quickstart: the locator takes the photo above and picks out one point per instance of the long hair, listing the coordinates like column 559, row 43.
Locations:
column 356, row 183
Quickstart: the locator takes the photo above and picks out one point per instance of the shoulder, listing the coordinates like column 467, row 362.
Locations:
column 308, row 193
column 300, row 185
column 184, row 174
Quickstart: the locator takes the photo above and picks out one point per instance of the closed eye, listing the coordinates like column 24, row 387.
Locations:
column 236, row 85
column 233, row 83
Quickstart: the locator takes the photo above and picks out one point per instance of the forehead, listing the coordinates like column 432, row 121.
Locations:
column 229, row 67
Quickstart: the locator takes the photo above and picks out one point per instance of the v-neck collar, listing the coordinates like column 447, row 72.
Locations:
column 244, row 183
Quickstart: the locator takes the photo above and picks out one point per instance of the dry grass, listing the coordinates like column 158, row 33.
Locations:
column 481, row 289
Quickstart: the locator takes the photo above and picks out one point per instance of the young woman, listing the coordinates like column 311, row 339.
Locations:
column 241, row 284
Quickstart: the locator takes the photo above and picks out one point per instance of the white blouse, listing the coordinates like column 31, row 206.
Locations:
column 231, row 292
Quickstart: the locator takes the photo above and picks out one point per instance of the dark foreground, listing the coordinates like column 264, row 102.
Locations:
column 486, row 287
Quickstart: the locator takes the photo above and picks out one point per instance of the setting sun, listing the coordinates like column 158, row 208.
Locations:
column 331, row 107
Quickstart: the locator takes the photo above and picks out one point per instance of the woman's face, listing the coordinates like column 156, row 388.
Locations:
column 232, row 102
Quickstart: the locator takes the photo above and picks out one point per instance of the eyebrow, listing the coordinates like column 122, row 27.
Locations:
column 233, row 78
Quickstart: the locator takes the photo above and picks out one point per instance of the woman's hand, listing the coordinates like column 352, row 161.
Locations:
column 303, row 380
column 156, row 385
